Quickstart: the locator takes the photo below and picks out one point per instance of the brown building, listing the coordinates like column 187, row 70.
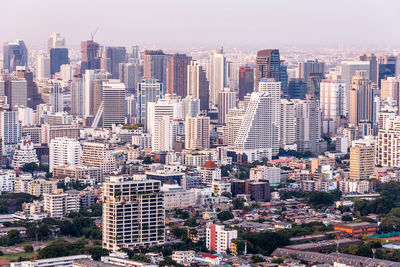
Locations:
column 258, row 190
column 267, row 65
column 80, row 172
column 357, row 229
column 49, row 132
column 155, row 65
column 90, row 56
column 246, row 81
column 177, row 74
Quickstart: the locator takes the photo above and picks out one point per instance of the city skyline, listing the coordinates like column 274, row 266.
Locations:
column 181, row 24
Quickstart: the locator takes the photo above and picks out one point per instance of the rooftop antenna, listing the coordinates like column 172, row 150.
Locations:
column 94, row 33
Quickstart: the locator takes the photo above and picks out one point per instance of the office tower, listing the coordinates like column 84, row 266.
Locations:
column 232, row 75
column 362, row 158
column 25, row 153
column 64, row 151
column 66, row 72
column 133, row 213
column 297, row 89
column 361, row 99
column 93, row 91
column 43, row 67
column 233, row 121
column 59, row 204
column 197, row 132
column 273, row 89
column 168, row 106
column 226, row 101
column 267, row 66
column 314, row 84
column 113, row 103
column 333, row 104
column 155, row 65
column 387, row 153
column 14, row 54
column 58, row 57
column 371, row 58
column 219, row 238
column 149, row 90
column 310, row 66
column 56, row 96
column 33, row 98
column 177, row 74
column 55, row 41
column 19, row 92
column 197, row 84
column 113, row 56
column 348, row 70
column 255, row 134
column 90, row 56
column 98, row 155
column 78, row 95
column 308, row 125
column 163, row 134
column 190, row 106
column 217, row 74
column 10, row 129
column 284, row 78
column 386, row 67
column 246, row 81
column 287, row 124
column 134, row 52
column 129, row 74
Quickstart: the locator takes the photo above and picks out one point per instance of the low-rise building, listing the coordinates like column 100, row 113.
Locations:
column 60, row 204
column 219, row 238
column 357, row 229
column 186, row 256
column 41, row 186
column 177, row 197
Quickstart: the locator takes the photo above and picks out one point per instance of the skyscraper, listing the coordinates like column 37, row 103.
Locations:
column 149, row 90
column 217, row 74
column 197, row 84
column 56, row 96
column 177, row 74
column 155, row 65
column 287, row 124
column 15, row 54
column 246, row 81
column 371, row 58
column 58, row 57
column 129, row 74
column 255, row 135
column 333, row 104
column 310, row 66
column 267, row 65
column 390, row 88
column 133, row 213
column 90, row 56
column 226, row 101
column 197, row 132
column 78, row 95
column 113, row 103
column 386, row 67
column 43, row 67
column 55, row 40
column 387, row 153
column 361, row 99
column 113, row 56
column 297, row 88
column 10, row 130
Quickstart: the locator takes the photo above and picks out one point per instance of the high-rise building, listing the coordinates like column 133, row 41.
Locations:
column 273, row 89
column 387, row 153
column 58, row 57
column 149, row 90
column 371, row 58
column 55, row 41
column 129, row 74
column 155, row 65
column 113, row 56
column 361, row 99
column 217, row 74
column 197, row 132
column 190, row 106
column 78, row 95
column 297, row 89
column 246, row 81
column 163, row 134
column 90, row 56
column 10, row 130
column 113, row 103
column 348, row 70
column 333, row 104
column 226, row 101
column 308, row 125
column 25, row 153
column 287, row 124
column 362, row 158
column 284, row 78
column 43, row 67
column 390, row 88
column 314, row 84
column 64, row 151
column 168, row 106
column 310, row 66
column 98, row 155
column 219, row 238
column 233, row 121
column 386, row 67
column 133, row 213
column 56, row 96
column 197, row 84
column 267, row 66
column 177, row 74
column 59, row 204
column 14, row 54
column 255, row 134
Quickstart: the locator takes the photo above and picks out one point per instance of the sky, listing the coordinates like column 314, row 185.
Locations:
column 205, row 23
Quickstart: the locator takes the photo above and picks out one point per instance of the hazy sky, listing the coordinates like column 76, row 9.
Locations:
column 204, row 23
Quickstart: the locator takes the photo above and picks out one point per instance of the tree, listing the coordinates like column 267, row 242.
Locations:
column 347, row 218
column 30, row 167
column 168, row 261
column 179, row 232
column 226, row 194
column 13, row 237
column 240, row 246
column 96, row 252
column 225, row 215
column 257, row 258
column 191, row 222
column 277, row 260
column 28, row 248
column 238, row 203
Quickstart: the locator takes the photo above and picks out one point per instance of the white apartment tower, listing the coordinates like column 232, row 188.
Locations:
column 288, row 123
column 64, row 151
column 217, row 74
column 387, row 152
column 197, row 132
column 333, row 104
column 226, row 101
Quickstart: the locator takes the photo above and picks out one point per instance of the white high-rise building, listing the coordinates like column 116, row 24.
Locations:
column 25, row 153
column 387, row 153
column 66, row 72
column 387, row 111
column 43, row 67
column 197, row 84
column 64, row 151
column 10, row 129
column 7, row 178
column 56, row 96
column 113, row 103
column 197, row 132
column 164, row 134
column 226, row 101
column 333, row 104
column 288, row 123
column 26, row 116
column 390, row 87
column 273, row 89
column 78, row 96
column 233, row 121
column 255, row 134
column 133, row 213
column 190, row 106
column 149, row 90
column 217, row 74
column 167, row 106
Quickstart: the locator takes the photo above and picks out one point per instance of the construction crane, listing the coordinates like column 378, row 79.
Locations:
column 94, row 33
